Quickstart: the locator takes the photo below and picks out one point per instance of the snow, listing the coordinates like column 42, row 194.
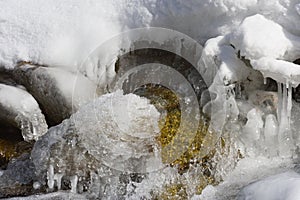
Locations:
column 22, row 110
column 248, row 171
column 281, row 186
column 259, row 37
column 282, row 71
column 62, row 33
column 11, row 96
column 54, row 32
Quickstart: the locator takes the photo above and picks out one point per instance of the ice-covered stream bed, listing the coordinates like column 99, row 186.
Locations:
column 223, row 124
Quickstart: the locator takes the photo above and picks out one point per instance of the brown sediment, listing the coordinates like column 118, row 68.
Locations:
column 11, row 144
column 165, row 99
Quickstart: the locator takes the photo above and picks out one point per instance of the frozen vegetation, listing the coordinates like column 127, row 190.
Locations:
column 104, row 145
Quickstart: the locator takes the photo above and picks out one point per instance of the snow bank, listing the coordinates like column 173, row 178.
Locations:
column 62, row 33
column 54, row 32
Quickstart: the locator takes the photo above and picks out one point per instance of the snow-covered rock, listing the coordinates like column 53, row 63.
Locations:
column 58, row 92
column 20, row 109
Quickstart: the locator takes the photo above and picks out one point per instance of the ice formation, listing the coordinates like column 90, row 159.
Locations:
column 115, row 134
column 20, row 109
column 249, row 43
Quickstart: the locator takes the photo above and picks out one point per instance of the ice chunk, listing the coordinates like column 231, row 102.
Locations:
column 127, row 124
column 111, row 135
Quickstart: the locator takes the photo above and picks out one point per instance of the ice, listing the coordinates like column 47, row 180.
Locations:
column 74, row 180
column 21, row 110
column 271, row 134
column 57, row 178
column 120, row 121
column 112, row 135
column 254, row 40
column 50, row 177
column 251, row 134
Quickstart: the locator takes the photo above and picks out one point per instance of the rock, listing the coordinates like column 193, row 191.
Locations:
column 59, row 93
column 51, row 196
column 20, row 110
column 16, row 180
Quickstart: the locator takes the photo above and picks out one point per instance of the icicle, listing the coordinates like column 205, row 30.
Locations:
column 57, row 178
column 252, row 131
column 270, row 133
column 265, row 80
column 289, row 104
column 284, row 118
column 74, row 181
column 279, row 85
column 285, row 106
column 50, row 177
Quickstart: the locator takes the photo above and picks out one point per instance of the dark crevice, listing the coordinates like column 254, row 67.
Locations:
column 9, row 138
column 151, row 55
column 296, row 91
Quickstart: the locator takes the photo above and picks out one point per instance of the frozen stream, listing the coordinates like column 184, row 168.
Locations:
column 151, row 99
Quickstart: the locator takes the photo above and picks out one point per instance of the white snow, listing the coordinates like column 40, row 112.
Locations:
column 259, row 37
column 281, row 186
column 23, row 110
column 282, row 71
column 54, row 32
column 63, row 32
column 17, row 99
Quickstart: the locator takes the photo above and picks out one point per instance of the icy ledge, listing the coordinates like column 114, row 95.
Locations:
column 20, row 109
